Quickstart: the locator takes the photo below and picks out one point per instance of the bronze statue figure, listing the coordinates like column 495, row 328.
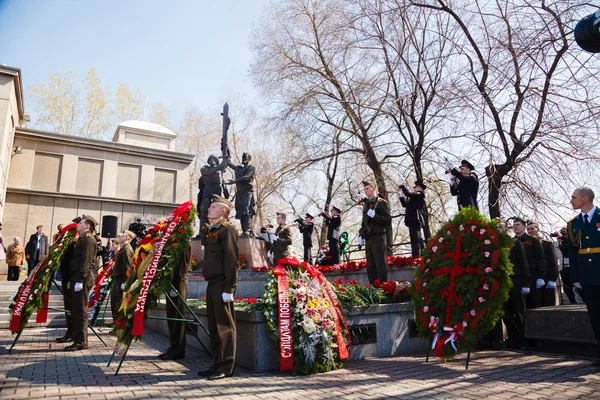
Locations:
column 211, row 183
column 244, row 194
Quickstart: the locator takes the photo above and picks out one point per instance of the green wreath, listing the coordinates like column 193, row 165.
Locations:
column 462, row 283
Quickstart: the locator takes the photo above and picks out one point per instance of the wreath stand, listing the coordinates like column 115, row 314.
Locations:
column 195, row 321
column 512, row 320
column 58, row 310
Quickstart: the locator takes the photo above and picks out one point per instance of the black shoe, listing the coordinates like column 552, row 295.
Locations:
column 596, row 363
column 171, row 356
column 162, row 355
column 76, row 347
column 218, row 375
column 207, row 372
column 64, row 339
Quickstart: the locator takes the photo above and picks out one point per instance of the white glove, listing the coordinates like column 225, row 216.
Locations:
column 227, row 297
column 371, row 213
column 551, row 285
column 577, row 285
column 78, row 286
column 448, row 164
column 361, row 241
column 122, row 286
column 275, row 237
column 270, row 256
column 451, row 179
column 362, row 196
column 525, row 290
column 173, row 293
column 539, row 283
column 401, row 181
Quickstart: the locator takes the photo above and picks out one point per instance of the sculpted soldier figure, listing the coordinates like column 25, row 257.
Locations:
column 210, row 184
column 244, row 193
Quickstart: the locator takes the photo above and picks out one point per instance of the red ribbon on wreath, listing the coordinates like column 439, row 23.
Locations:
column 286, row 346
column 22, row 297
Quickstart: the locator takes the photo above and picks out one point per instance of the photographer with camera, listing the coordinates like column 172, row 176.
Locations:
column 306, row 227
column 140, row 231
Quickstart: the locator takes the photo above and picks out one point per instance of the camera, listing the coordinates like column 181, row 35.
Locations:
column 554, row 234
column 587, row 33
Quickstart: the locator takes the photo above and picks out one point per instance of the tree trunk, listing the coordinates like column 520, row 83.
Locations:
column 495, row 173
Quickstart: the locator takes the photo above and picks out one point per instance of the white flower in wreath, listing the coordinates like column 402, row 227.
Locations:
column 309, row 326
column 36, row 291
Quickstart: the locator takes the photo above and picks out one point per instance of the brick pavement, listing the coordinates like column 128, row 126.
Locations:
column 39, row 368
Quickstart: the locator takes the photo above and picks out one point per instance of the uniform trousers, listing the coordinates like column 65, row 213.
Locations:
column 116, row 296
column 177, row 328
column 67, row 305
column 592, row 301
column 222, row 329
column 307, row 255
column 548, row 296
column 334, row 251
column 79, row 313
column 416, row 239
column 534, row 298
column 376, row 254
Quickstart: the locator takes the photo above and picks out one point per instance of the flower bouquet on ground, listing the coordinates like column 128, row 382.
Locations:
column 462, row 283
column 102, row 287
column 151, row 272
column 33, row 293
column 351, row 294
column 304, row 316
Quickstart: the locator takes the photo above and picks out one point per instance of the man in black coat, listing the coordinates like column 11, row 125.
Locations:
column 535, row 261
column 466, row 184
column 37, row 247
column 334, row 226
column 413, row 219
column 375, row 220
column 306, row 227
column 548, row 292
column 81, row 266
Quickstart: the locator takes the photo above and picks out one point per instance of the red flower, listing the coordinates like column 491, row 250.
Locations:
column 475, row 303
column 377, row 283
column 181, row 230
column 466, row 315
column 482, row 279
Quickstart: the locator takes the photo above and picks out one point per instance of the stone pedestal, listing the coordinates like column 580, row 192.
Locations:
column 254, row 251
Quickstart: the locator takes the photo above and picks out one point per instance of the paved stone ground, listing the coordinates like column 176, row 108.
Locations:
column 39, row 368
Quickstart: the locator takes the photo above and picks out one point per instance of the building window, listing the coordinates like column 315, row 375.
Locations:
column 46, row 172
column 164, row 186
column 128, row 181
column 89, row 177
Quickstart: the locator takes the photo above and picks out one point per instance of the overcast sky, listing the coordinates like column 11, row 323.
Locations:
column 179, row 53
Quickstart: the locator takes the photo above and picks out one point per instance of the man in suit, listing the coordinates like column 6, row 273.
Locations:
column 306, row 227
column 36, row 248
column 334, row 226
column 584, row 253
column 466, row 184
column 220, row 269
column 375, row 219
column 282, row 246
column 535, row 261
column 176, row 307
column 548, row 292
column 413, row 219
column 81, row 266
column 123, row 260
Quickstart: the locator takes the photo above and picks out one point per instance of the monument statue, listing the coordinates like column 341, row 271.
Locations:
column 209, row 184
column 244, row 193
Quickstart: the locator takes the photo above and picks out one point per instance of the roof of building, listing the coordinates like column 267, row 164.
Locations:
column 144, row 126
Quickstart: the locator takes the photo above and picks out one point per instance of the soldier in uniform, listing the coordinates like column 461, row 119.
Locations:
column 65, row 283
column 466, row 184
column 220, row 269
column 414, row 203
column 584, row 253
column 375, row 219
column 244, row 192
column 306, row 227
column 282, row 246
column 548, row 293
column 535, row 261
column 210, row 183
column 81, row 266
column 123, row 260
column 515, row 305
column 334, row 225
column 177, row 329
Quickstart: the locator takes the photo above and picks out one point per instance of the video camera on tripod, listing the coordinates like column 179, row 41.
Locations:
column 587, row 33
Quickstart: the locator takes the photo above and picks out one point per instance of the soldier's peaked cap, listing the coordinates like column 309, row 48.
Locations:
column 467, row 164
column 91, row 220
column 336, row 209
column 222, row 200
column 420, row 184
column 309, row 216
column 369, row 181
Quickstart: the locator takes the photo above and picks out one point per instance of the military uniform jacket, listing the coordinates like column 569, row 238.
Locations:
column 414, row 203
column 333, row 224
column 221, row 254
column 83, row 257
column 468, row 187
column 123, row 261
column 518, row 259
column 377, row 225
column 282, row 246
column 535, row 256
column 306, row 228
column 585, row 268
column 551, row 274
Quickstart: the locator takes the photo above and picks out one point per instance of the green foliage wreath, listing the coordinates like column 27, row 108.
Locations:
column 462, row 283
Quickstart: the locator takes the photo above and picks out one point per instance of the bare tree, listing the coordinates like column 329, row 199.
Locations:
column 56, row 102
column 129, row 103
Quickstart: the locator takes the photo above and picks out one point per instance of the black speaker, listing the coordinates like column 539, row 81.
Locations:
column 109, row 226
column 587, row 33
